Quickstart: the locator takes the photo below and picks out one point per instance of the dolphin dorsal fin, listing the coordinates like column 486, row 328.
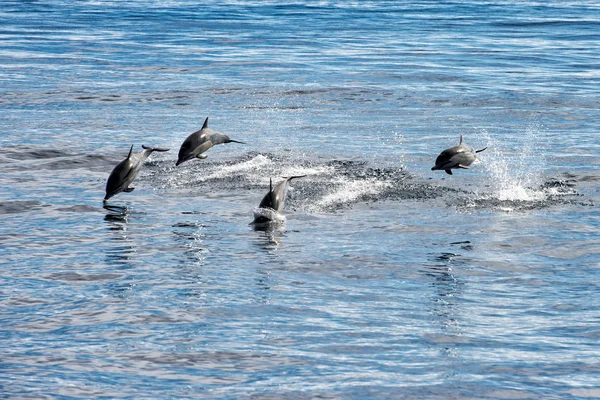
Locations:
column 461, row 140
column 270, row 184
column 130, row 152
column 205, row 125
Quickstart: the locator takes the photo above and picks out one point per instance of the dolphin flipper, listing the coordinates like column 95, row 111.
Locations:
column 201, row 149
column 479, row 151
column 129, row 190
column 449, row 171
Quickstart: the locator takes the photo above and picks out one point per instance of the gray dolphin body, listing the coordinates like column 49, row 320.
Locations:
column 198, row 142
column 275, row 199
column 461, row 156
column 126, row 171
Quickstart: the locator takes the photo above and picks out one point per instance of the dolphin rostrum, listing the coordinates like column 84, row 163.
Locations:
column 125, row 172
column 198, row 142
column 274, row 200
column 461, row 156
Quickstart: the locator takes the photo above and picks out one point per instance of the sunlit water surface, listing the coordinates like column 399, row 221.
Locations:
column 382, row 279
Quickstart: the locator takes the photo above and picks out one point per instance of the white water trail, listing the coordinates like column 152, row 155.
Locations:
column 347, row 191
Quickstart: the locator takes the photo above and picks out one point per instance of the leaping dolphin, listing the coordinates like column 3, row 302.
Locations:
column 200, row 141
column 274, row 200
column 461, row 156
column 125, row 172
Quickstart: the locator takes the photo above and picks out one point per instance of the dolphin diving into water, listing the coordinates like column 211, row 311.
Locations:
column 125, row 172
column 273, row 201
column 461, row 156
column 198, row 142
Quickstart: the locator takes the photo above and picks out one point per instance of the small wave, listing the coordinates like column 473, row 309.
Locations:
column 27, row 158
column 29, row 153
column 19, row 206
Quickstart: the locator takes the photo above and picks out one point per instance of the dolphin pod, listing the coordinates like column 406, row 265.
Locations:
column 197, row 143
column 461, row 156
column 126, row 171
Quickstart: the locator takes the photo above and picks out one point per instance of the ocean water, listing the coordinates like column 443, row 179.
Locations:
column 382, row 279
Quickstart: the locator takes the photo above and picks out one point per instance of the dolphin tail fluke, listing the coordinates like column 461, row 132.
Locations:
column 154, row 148
column 295, row 177
column 205, row 124
column 479, row 151
column 449, row 171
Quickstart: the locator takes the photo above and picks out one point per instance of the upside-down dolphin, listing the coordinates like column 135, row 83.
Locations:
column 125, row 172
column 200, row 141
column 274, row 200
column 461, row 156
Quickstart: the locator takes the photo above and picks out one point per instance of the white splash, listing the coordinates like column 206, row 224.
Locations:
column 272, row 215
column 515, row 174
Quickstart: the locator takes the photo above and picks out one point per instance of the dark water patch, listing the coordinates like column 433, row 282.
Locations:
column 93, row 162
column 77, row 277
column 187, row 225
column 307, row 91
column 587, row 178
column 24, row 301
column 28, row 158
column 240, row 360
column 133, row 97
column 27, row 153
column 569, row 23
column 19, row 206
column 79, row 208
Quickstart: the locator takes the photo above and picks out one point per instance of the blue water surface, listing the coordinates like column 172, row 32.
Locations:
column 384, row 279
